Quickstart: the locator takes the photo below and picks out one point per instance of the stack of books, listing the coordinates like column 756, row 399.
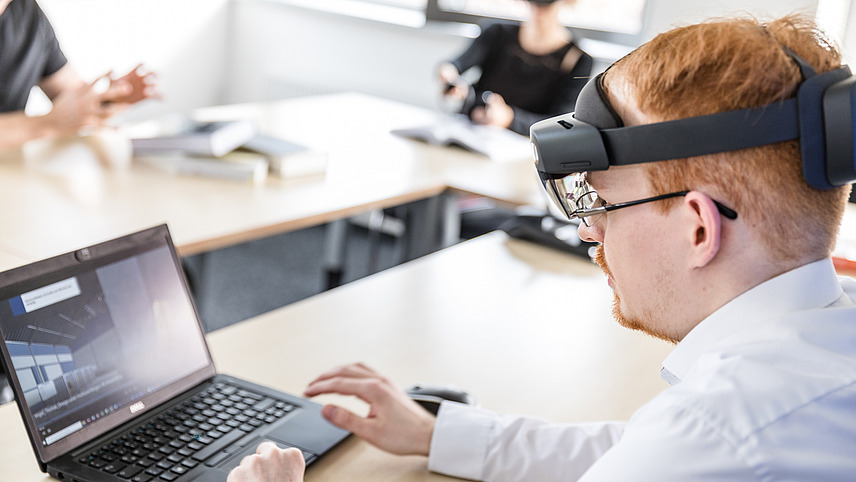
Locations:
column 227, row 150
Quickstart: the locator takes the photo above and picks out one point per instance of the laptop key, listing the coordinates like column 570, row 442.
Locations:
column 113, row 468
column 130, row 471
column 154, row 471
column 246, row 394
column 218, row 445
column 169, row 476
column 263, row 404
column 211, row 462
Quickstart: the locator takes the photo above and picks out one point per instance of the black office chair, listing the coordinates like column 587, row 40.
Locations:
column 6, row 394
column 544, row 228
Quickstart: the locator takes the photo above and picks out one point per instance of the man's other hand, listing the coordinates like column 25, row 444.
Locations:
column 395, row 423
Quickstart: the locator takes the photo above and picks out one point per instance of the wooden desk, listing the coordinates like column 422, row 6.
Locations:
column 354, row 129
column 61, row 195
column 526, row 329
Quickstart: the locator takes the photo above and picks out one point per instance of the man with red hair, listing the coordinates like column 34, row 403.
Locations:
column 718, row 243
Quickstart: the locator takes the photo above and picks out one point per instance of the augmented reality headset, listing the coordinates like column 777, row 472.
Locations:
column 592, row 138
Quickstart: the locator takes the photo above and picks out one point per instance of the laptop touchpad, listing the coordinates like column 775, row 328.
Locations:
column 250, row 449
column 308, row 431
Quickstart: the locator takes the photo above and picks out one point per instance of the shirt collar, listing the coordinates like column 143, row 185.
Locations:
column 814, row 285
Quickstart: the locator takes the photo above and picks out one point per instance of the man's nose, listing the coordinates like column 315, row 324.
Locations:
column 590, row 234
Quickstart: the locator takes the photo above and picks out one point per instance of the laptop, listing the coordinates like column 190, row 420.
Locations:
column 106, row 355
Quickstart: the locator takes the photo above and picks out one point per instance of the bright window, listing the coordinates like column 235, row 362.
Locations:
column 617, row 19
column 412, row 4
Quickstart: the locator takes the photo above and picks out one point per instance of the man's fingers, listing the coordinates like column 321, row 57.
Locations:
column 366, row 389
column 355, row 370
column 295, row 458
column 346, row 420
column 266, row 447
column 105, row 75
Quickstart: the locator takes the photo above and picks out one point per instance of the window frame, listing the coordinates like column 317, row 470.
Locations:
column 433, row 12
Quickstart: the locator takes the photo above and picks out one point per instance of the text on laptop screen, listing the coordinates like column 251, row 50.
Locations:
column 97, row 341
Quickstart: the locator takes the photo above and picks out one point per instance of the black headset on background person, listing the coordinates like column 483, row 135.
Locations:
column 820, row 116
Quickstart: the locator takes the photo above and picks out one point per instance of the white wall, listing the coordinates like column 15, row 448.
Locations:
column 184, row 41
column 282, row 50
column 220, row 51
column 665, row 14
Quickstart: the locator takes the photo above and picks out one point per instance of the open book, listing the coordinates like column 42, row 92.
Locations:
column 456, row 130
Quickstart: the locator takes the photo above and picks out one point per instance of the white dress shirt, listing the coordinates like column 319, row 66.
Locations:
column 762, row 389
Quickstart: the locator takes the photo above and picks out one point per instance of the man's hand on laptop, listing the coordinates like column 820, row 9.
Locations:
column 270, row 464
column 395, row 423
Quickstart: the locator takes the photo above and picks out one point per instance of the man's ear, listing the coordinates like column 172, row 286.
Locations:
column 706, row 228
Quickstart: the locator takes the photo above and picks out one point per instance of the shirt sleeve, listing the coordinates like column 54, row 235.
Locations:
column 477, row 444
column 54, row 57
column 673, row 446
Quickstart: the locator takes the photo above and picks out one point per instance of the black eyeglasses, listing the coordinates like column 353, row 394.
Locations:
column 590, row 216
column 578, row 199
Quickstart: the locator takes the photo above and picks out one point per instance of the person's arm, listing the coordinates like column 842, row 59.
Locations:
column 138, row 84
column 477, row 444
column 479, row 49
column 395, row 423
column 66, row 79
column 17, row 128
column 522, row 120
column 679, row 444
column 75, row 104
column 449, row 72
column 463, row 441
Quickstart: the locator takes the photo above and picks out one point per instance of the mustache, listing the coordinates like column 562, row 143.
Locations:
column 600, row 259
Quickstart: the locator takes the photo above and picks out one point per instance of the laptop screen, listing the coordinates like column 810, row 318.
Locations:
column 97, row 336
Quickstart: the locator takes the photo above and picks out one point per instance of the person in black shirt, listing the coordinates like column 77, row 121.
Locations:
column 30, row 56
column 530, row 71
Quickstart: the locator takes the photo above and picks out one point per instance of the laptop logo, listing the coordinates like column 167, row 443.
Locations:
column 136, row 407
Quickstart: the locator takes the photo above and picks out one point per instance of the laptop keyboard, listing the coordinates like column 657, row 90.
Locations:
column 173, row 443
